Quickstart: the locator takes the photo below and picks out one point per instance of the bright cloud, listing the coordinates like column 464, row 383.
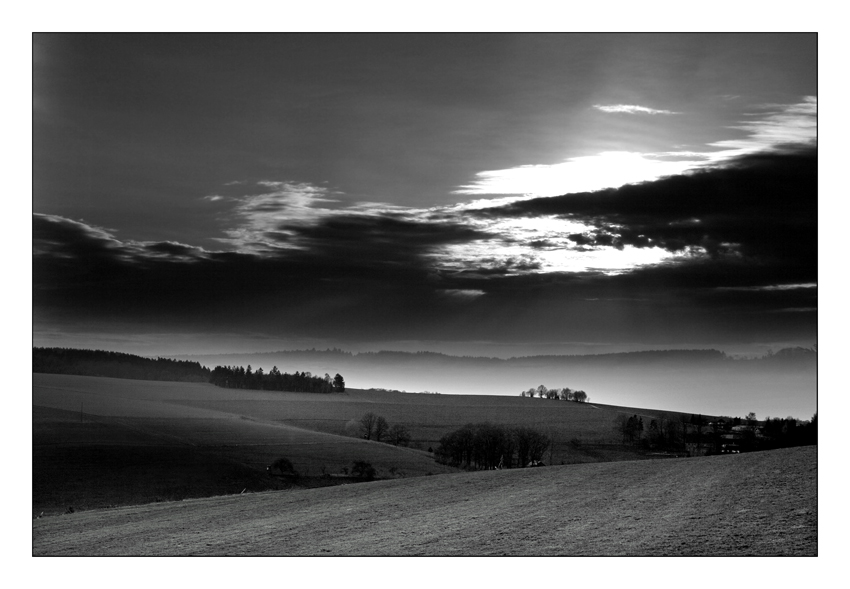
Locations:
column 256, row 215
column 633, row 109
column 540, row 244
column 770, row 126
column 580, row 174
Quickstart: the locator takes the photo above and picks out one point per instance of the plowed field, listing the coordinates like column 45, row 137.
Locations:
column 762, row 503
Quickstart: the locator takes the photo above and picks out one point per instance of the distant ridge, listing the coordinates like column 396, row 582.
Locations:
column 635, row 357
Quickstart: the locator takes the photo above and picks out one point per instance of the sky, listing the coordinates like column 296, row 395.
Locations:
column 484, row 194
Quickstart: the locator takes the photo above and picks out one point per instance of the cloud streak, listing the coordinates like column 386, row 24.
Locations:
column 633, row 109
column 772, row 127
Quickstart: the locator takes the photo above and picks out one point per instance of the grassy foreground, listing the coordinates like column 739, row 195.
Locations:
column 762, row 503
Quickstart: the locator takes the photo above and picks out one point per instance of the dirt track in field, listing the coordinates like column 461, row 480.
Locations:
column 763, row 503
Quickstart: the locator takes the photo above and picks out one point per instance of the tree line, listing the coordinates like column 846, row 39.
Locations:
column 115, row 365
column 488, row 446
column 237, row 377
column 564, row 394
column 704, row 436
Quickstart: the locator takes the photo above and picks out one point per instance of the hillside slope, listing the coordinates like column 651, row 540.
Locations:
column 762, row 503
column 100, row 442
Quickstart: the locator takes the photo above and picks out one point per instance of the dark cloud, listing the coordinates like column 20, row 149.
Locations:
column 355, row 276
column 366, row 274
column 173, row 249
column 761, row 207
column 378, row 239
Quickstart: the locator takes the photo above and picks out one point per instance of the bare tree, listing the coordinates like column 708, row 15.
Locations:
column 398, row 435
column 381, row 428
column 367, row 425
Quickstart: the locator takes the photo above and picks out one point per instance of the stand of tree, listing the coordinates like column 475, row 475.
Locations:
column 564, row 394
column 488, row 446
column 784, row 433
column 237, row 377
column 700, row 436
column 115, row 365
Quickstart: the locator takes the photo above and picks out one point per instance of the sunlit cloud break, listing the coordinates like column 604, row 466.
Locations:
column 633, row 109
column 608, row 169
column 771, row 127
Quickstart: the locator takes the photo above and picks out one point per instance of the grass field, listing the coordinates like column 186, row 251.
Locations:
column 761, row 503
column 100, row 442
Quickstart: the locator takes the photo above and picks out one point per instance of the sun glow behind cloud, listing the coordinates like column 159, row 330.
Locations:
column 608, row 169
column 768, row 127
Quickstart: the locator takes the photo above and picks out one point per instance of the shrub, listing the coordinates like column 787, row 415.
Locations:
column 284, row 466
column 363, row 470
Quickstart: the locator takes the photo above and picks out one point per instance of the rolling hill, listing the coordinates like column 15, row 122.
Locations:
column 100, row 442
column 782, row 384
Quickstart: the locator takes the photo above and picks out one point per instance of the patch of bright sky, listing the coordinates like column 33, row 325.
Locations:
column 519, row 257
column 608, row 169
column 544, row 240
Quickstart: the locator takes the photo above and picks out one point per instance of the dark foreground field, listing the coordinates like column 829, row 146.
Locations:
column 762, row 503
